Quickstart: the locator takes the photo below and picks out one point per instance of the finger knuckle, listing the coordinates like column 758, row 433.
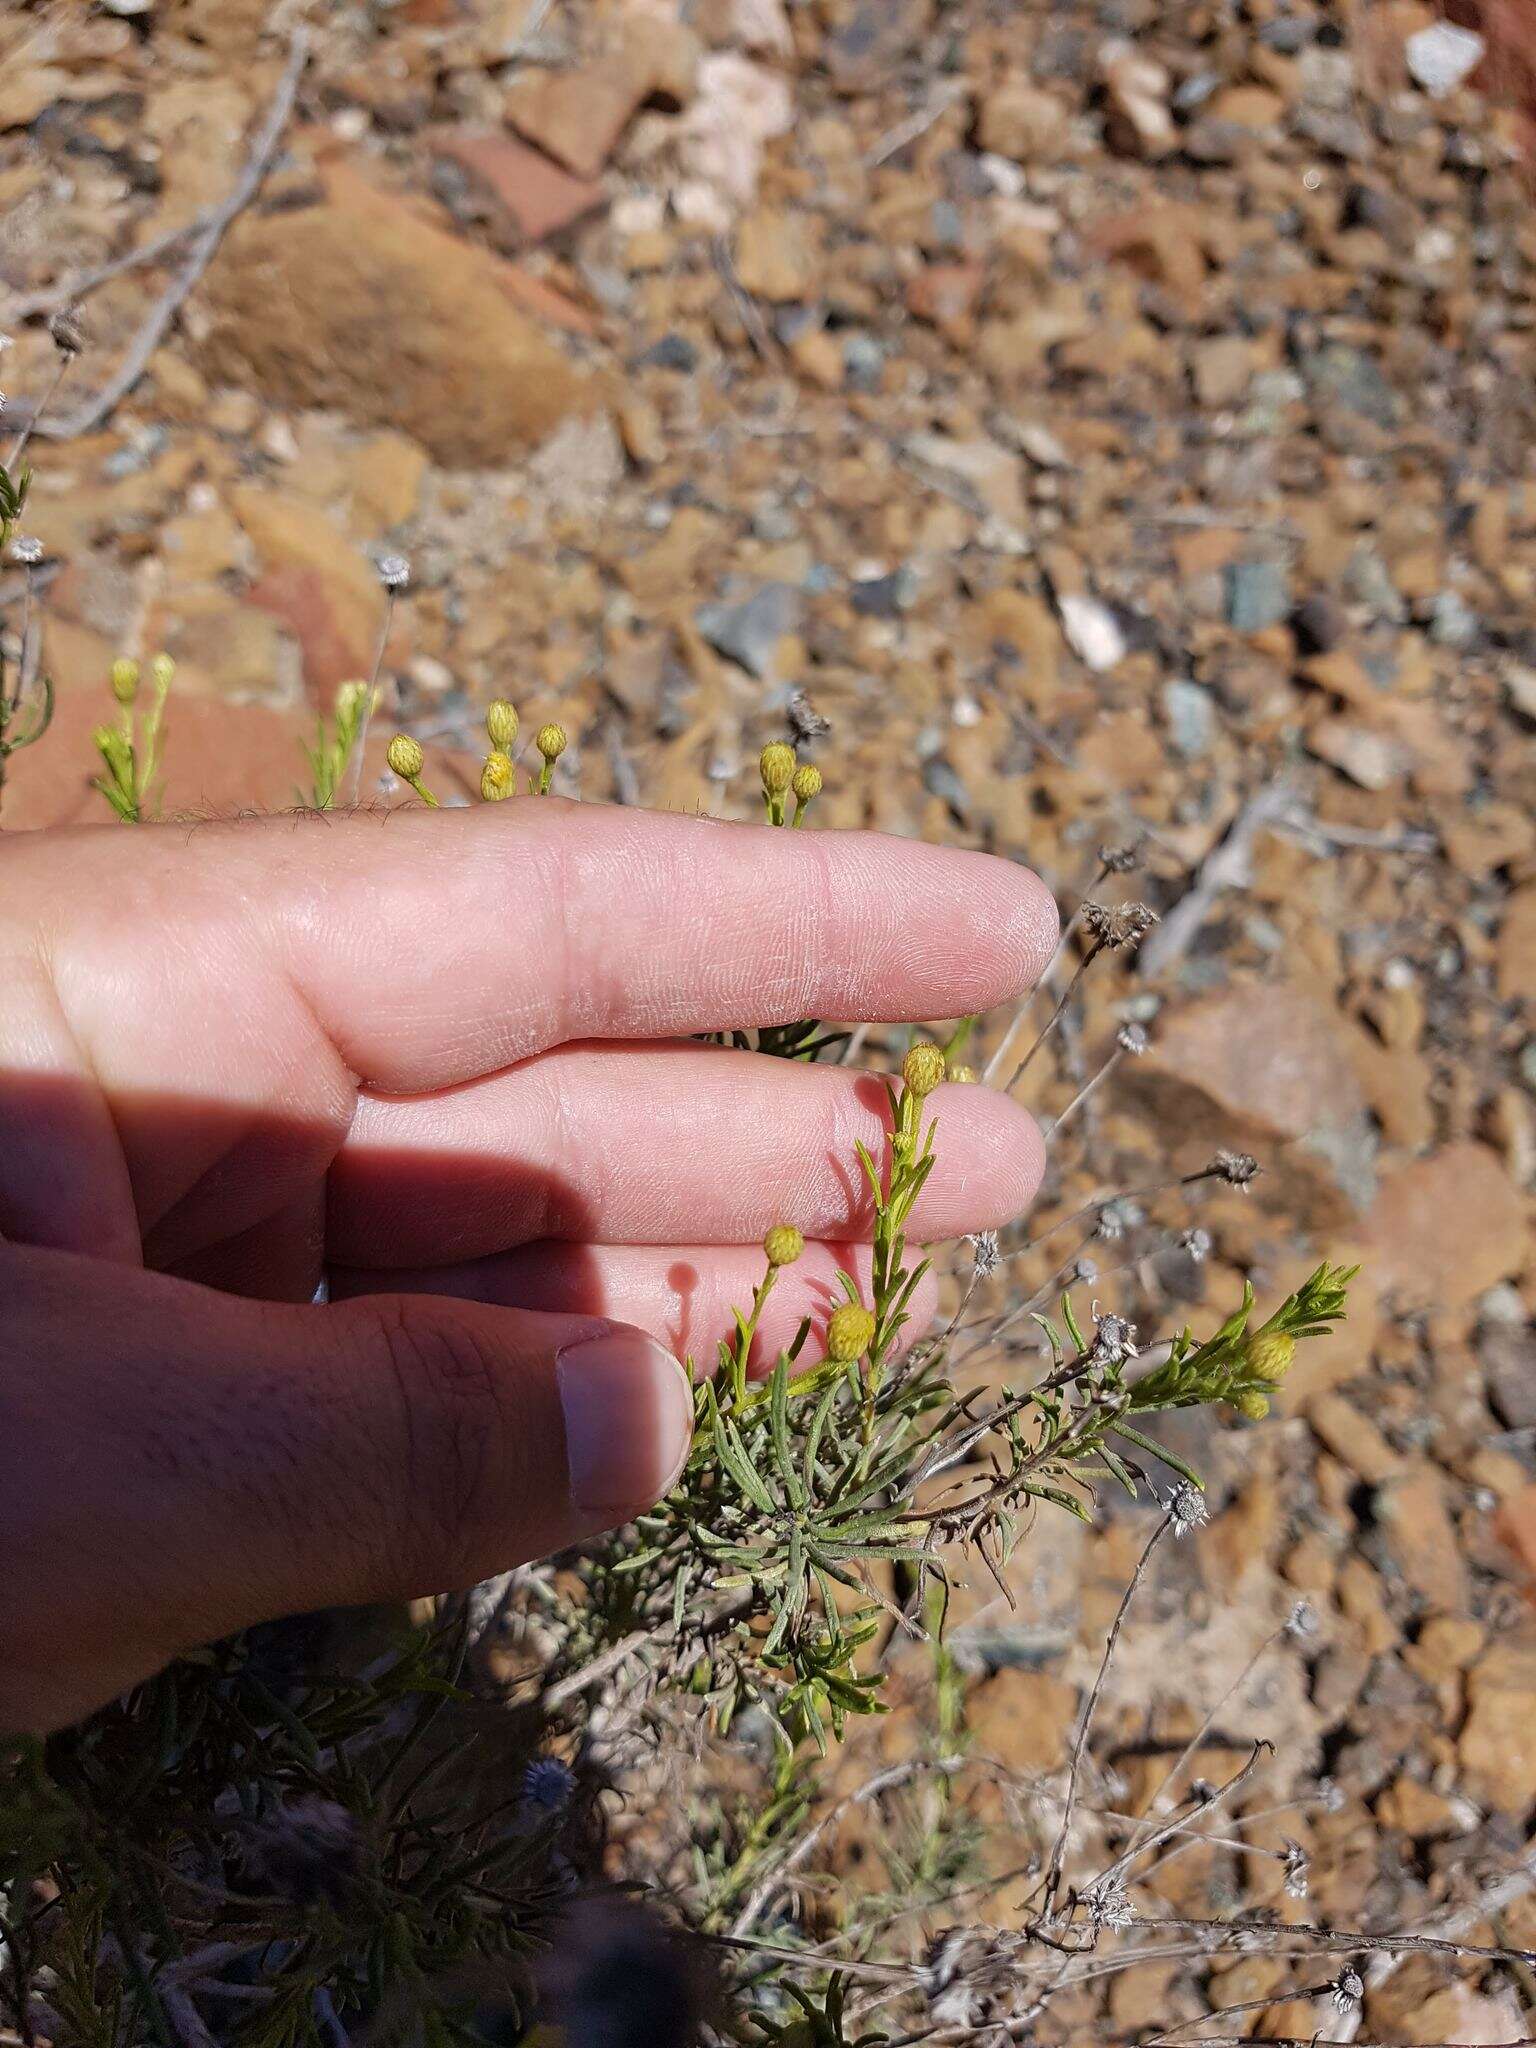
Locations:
column 455, row 1422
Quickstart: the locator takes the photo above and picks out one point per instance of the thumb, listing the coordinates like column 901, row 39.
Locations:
column 176, row 1463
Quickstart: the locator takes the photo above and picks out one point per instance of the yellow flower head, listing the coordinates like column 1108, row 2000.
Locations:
column 1252, row 1404
column 1268, row 1355
column 550, row 741
column 405, row 757
column 125, row 679
column 850, row 1332
column 777, row 763
column 783, row 1245
column 962, row 1074
column 501, row 724
column 923, row 1069
column 496, row 778
column 806, row 782
column 162, row 672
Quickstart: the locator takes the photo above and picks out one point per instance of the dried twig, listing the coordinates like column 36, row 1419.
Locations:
column 896, row 139
column 87, row 417
column 1227, row 866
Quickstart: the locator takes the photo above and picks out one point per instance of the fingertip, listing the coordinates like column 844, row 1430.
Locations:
column 1021, row 920
column 991, row 1159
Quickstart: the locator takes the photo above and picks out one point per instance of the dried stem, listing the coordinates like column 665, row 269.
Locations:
column 1058, row 1853
column 162, row 315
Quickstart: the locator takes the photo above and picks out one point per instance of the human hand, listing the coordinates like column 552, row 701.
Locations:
column 441, row 1059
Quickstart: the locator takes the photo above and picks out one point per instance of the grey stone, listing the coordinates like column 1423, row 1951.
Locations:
column 1257, row 595
column 1369, row 582
column 1452, row 621
column 1191, row 716
column 883, row 597
column 1350, row 378
column 1507, row 1352
column 748, row 632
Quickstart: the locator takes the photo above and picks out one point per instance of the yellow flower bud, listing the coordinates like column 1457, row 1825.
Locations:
column 806, row 782
column 1268, row 1355
column 496, row 778
column 923, row 1069
column 783, row 1245
column 550, row 741
column 162, row 671
column 501, row 724
column 406, row 757
column 777, row 763
column 962, row 1074
column 125, row 679
column 1252, row 1404
column 850, row 1332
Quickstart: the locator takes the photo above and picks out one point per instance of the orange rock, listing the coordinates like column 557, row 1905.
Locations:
column 1443, row 1230
column 531, row 197
column 357, row 302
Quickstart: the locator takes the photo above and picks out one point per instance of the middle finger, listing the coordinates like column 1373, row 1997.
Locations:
column 655, row 1144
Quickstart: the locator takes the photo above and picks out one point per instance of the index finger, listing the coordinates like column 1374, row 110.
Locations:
column 436, row 946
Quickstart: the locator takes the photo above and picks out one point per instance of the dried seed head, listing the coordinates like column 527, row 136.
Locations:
column 806, row 782
column 501, row 726
column 125, row 679
column 1133, row 1038
column 923, row 1069
column 406, row 757
column 394, row 571
column 777, row 763
column 783, row 1245
column 27, row 549
column 1196, row 1244
column 1109, row 1904
column 1117, row 860
column 1114, row 1339
column 1301, row 1622
column 1117, row 1217
column 1251, row 1404
column 1298, row 1870
column 805, row 721
column 550, row 741
column 1348, row 1989
column 1113, row 925
column 984, row 1252
column 496, row 777
column 850, row 1332
column 66, row 331
column 1268, row 1355
column 1237, row 1169
column 1188, row 1509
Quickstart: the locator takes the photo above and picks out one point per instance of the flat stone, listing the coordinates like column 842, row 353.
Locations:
column 577, row 117
column 531, row 197
column 1445, row 1229
column 1263, row 1068
column 1497, row 1745
column 1421, row 1539
column 1258, row 595
column 358, row 303
column 749, row 631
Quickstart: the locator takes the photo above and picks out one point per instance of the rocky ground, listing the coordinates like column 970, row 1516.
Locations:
column 1115, row 421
